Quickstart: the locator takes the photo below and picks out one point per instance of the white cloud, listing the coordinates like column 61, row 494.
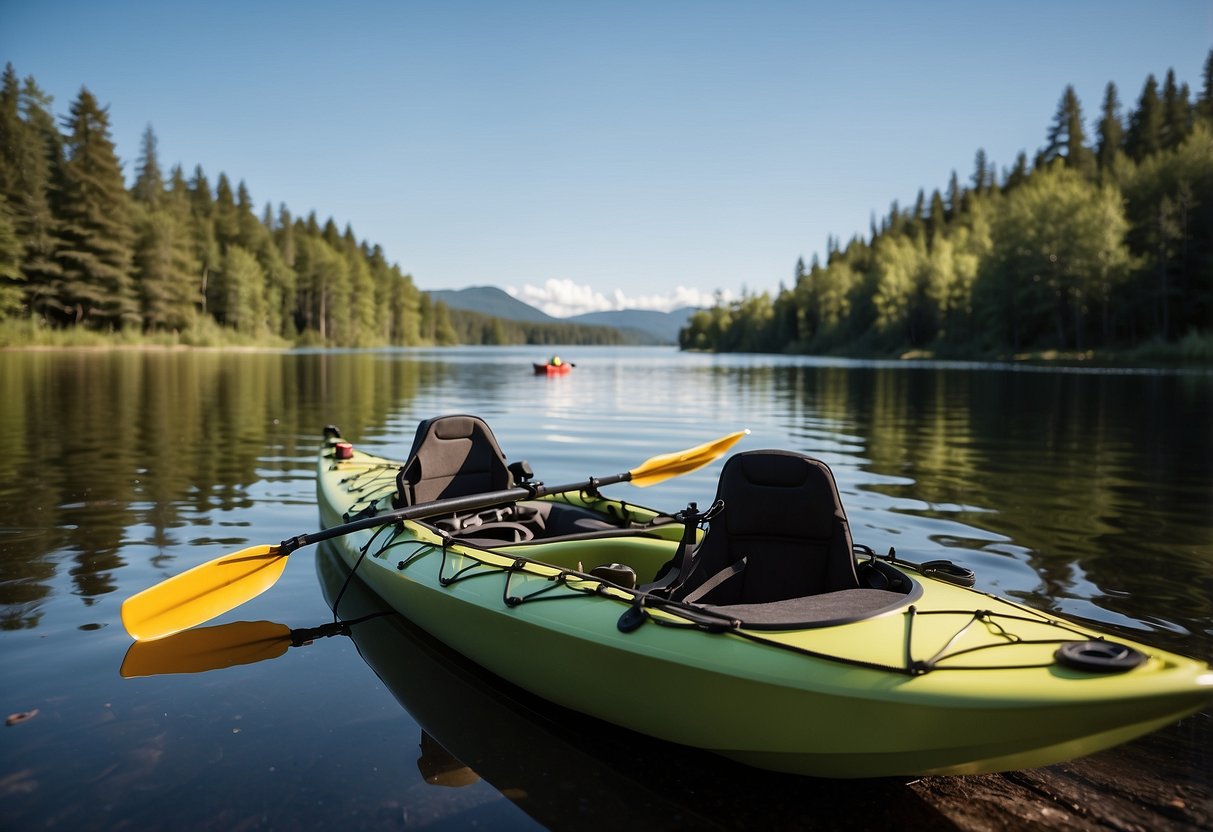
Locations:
column 564, row 298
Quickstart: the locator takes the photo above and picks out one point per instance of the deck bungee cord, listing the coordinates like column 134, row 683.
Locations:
column 577, row 583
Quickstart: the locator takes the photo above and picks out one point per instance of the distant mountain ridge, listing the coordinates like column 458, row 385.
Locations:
column 663, row 325
column 489, row 300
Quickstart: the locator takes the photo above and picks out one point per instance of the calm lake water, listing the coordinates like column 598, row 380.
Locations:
column 1085, row 492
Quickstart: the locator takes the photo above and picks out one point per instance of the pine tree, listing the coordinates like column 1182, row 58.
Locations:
column 937, row 218
column 207, row 253
column 284, row 236
column 12, row 135
column 1018, row 174
column 338, row 287
column 177, row 193
column 405, row 304
column 1204, row 104
column 11, row 128
column 44, row 177
column 227, row 221
column 243, row 286
column 251, row 230
column 165, row 268
column 12, row 288
column 897, row 226
column 1146, row 124
column 364, row 310
column 165, row 256
column 1176, row 112
column 955, row 196
column 96, row 284
column 149, row 182
column 1111, row 130
column 279, row 277
column 984, row 172
column 31, row 158
column 202, row 201
column 444, row 331
column 1067, row 139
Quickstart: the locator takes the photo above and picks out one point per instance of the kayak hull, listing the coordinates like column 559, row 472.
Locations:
column 832, row 701
column 552, row 369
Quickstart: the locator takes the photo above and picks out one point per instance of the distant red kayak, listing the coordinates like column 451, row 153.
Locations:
column 552, row 369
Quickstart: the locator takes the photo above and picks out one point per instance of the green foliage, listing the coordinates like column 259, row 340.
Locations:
column 1145, row 135
column 900, row 269
column 1067, row 138
column 1059, row 254
column 149, row 184
column 241, row 286
column 165, row 269
column 11, row 278
column 1111, row 130
column 96, row 285
column 180, row 262
column 462, row 326
column 1104, row 247
column 31, row 149
column 1169, row 199
column 1084, row 249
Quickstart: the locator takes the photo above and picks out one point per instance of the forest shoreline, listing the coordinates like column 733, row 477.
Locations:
column 1158, row 356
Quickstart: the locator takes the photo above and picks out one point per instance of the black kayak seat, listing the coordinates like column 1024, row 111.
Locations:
column 782, row 534
column 452, row 456
column 458, row 456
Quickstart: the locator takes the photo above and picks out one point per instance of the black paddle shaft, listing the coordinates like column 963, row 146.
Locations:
column 451, row 505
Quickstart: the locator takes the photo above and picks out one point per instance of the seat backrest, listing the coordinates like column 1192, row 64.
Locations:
column 452, row 456
column 783, row 515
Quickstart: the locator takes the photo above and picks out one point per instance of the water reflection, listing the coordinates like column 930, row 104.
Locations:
column 1099, row 483
column 132, row 454
column 1085, row 493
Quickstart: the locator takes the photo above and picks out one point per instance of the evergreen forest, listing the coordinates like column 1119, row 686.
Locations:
column 178, row 260
column 1101, row 242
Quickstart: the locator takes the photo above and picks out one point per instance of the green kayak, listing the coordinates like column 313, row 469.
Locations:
column 755, row 629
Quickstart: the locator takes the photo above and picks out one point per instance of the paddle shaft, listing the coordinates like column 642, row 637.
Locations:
column 210, row 589
column 447, row 505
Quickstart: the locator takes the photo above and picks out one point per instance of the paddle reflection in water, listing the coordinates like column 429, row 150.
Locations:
column 225, row 645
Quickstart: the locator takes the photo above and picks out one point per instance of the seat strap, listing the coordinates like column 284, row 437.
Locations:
column 716, row 580
column 679, row 568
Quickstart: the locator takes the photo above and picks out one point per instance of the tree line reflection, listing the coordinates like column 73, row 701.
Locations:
column 108, row 449
column 1097, row 483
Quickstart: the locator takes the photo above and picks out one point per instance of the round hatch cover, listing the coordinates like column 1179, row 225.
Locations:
column 1098, row 656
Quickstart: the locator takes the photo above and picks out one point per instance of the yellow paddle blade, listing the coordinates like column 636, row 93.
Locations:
column 207, row 648
column 202, row 593
column 664, row 466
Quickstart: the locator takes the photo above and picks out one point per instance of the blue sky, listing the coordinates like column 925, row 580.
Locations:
column 595, row 154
